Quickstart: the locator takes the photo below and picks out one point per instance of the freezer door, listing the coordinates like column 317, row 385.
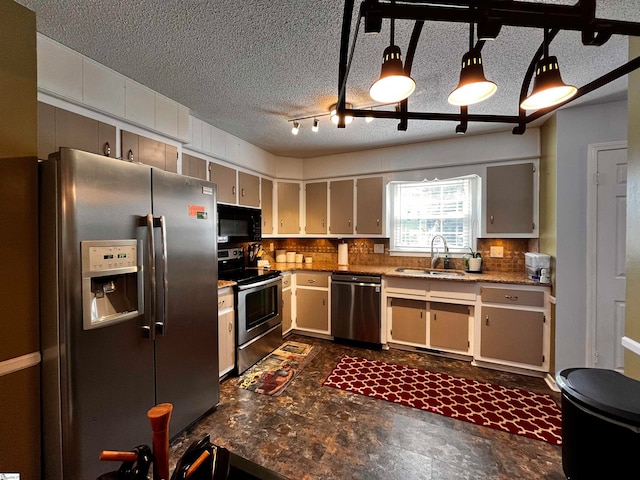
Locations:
column 187, row 278
column 97, row 383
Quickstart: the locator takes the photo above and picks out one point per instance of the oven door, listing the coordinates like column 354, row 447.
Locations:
column 259, row 308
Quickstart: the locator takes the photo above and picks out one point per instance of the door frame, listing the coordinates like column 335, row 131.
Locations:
column 592, row 243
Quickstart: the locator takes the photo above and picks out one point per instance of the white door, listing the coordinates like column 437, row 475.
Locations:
column 611, row 218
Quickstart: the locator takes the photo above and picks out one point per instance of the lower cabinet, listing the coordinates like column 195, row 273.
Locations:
column 226, row 331
column 286, row 304
column 409, row 321
column 312, row 302
column 449, row 326
column 512, row 335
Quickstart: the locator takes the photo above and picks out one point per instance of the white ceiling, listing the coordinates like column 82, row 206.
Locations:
column 249, row 66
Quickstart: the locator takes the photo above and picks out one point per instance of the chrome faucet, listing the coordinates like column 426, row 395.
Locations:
column 435, row 257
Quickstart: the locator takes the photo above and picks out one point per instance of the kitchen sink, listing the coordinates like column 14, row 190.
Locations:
column 425, row 272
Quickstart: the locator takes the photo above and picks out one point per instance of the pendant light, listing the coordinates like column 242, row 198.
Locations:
column 315, row 126
column 296, row 128
column 548, row 87
column 393, row 85
column 473, row 86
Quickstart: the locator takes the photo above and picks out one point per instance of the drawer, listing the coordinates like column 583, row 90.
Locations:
column 512, row 296
column 286, row 281
column 453, row 290
column 225, row 300
column 312, row 280
column 407, row 286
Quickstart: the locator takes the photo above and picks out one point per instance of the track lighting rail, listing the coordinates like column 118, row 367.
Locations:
column 489, row 16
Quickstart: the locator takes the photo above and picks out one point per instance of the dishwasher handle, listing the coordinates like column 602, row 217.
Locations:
column 359, row 284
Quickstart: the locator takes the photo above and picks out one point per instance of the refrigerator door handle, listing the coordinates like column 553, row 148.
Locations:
column 148, row 330
column 161, row 327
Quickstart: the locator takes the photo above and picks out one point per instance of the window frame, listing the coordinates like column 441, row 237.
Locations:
column 475, row 198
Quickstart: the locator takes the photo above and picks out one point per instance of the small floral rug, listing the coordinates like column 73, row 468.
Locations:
column 272, row 374
column 517, row 411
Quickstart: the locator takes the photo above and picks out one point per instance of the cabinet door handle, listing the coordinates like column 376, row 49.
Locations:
column 220, row 303
column 233, row 190
column 107, row 149
column 349, row 222
column 486, row 320
column 281, row 223
column 230, row 327
column 513, row 298
column 322, row 223
column 130, row 155
column 242, row 192
column 491, row 219
column 377, row 222
column 323, row 302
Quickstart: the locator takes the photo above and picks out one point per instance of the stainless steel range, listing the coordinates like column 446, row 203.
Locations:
column 258, row 306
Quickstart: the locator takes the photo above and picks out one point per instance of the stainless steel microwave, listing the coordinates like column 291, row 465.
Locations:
column 239, row 224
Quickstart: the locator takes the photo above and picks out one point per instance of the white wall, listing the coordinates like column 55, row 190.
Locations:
column 576, row 129
column 465, row 150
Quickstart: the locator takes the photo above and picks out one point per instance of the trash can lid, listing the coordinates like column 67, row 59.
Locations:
column 607, row 391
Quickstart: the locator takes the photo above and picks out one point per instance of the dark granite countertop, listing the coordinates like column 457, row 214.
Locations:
column 390, row 271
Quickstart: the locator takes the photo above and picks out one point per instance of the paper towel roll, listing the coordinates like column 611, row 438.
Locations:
column 343, row 254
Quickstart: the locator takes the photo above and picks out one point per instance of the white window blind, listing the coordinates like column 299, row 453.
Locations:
column 421, row 210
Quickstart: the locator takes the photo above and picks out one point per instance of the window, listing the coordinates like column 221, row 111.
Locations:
column 422, row 210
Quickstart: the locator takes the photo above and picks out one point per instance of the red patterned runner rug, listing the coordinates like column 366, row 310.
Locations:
column 517, row 411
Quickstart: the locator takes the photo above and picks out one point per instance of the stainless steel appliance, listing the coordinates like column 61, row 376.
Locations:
column 128, row 295
column 356, row 307
column 239, row 224
column 258, row 294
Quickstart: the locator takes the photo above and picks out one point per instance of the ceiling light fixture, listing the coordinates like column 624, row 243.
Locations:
column 394, row 84
column 548, row 87
column 489, row 16
column 296, row 128
column 334, row 117
column 473, row 86
column 315, row 126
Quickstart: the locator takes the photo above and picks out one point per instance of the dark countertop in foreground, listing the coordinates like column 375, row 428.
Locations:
column 390, row 271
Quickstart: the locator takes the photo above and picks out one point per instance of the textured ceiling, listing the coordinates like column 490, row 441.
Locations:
column 249, row 66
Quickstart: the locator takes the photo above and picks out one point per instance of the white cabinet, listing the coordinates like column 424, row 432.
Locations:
column 287, row 297
column 226, row 331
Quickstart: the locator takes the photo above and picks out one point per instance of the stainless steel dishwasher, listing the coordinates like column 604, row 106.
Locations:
column 355, row 307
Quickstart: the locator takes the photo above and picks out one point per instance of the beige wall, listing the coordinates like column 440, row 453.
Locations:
column 548, row 208
column 19, row 336
column 632, row 328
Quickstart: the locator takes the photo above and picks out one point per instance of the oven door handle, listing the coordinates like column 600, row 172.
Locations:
column 260, row 284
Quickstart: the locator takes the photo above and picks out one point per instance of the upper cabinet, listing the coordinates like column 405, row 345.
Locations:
column 225, row 178
column 341, row 207
column 194, row 166
column 249, row 190
column 61, row 128
column 137, row 148
column 288, row 219
column 315, row 195
column 369, row 206
column 510, row 201
column 266, row 189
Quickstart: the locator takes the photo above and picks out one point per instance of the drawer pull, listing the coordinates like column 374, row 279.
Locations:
column 486, row 320
column 311, row 280
column 230, row 327
column 107, row 150
column 513, row 298
column 220, row 303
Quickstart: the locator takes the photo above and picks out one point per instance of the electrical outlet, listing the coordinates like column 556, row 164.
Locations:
column 497, row 252
column 378, row 248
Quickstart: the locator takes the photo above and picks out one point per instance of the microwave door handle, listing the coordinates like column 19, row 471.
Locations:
column 161, row 327
column 149, row 331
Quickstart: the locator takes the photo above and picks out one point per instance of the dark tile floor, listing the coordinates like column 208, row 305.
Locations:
column 316, row 432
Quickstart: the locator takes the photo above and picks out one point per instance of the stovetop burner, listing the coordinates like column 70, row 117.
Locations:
column 231, row 267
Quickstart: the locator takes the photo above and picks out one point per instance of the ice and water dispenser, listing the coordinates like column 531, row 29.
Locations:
column 112, row 282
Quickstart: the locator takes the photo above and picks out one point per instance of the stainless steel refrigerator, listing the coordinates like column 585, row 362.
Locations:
column 128, row 266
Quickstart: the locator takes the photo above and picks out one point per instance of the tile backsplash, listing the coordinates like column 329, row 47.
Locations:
column 361, row 252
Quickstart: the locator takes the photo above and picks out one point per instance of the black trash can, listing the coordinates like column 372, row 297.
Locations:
column 600, row 424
